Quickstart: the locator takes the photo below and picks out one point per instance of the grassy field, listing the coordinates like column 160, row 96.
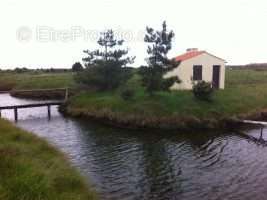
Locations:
column 245, row 93
column 17, row 81
column 30, row 169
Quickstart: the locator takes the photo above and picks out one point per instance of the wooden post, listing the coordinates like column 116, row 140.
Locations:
column 16, row 114
column 49, row 111
column 261, row 132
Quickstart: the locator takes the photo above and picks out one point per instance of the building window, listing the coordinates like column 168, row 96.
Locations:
column 197, row 72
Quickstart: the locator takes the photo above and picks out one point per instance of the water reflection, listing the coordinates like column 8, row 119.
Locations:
column 147, row 165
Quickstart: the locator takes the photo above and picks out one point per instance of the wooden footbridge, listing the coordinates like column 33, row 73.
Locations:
column 262, row 124
column 35, row 105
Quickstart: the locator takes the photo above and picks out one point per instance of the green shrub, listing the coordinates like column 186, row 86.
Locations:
column 127, row 94
column 77, row 67
column 203, row 90
column 105, row 76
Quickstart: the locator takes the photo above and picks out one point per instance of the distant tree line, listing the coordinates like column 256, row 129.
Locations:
column 254, row 66
column 38, row 70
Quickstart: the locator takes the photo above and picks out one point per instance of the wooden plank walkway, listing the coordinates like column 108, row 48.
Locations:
column 16, row 107
column 47, row 104
column 261, row 123
column 55, row 103
column 254, row 122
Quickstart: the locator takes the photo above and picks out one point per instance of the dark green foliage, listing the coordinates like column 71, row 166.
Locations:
column 127, row 94
column 105, row 66
column 203, row 90
column 106, row 76
column 168, row 82
column 77, row 67
column 160, row 43
column 21, row 70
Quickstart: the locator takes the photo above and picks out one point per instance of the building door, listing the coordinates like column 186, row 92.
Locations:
column 216, row 76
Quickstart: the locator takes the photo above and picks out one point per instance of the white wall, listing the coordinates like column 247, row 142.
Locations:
column 185, row 71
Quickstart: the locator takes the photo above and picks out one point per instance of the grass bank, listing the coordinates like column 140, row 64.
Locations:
column 245, row 96
column 13, row 82
column 31, row 169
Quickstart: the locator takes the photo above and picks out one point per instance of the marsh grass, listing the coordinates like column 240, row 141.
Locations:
column 245, row 93
column 25, row 81
column 30, row 169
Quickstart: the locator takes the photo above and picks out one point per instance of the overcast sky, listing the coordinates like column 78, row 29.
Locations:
column 53, row 33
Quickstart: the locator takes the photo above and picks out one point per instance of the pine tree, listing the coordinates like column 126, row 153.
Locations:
column 159, row 44
column 104, row 66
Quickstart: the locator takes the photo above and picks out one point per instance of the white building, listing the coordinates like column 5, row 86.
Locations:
column 198, row 65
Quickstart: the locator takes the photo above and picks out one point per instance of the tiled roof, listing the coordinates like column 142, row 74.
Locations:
column 188, row 55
